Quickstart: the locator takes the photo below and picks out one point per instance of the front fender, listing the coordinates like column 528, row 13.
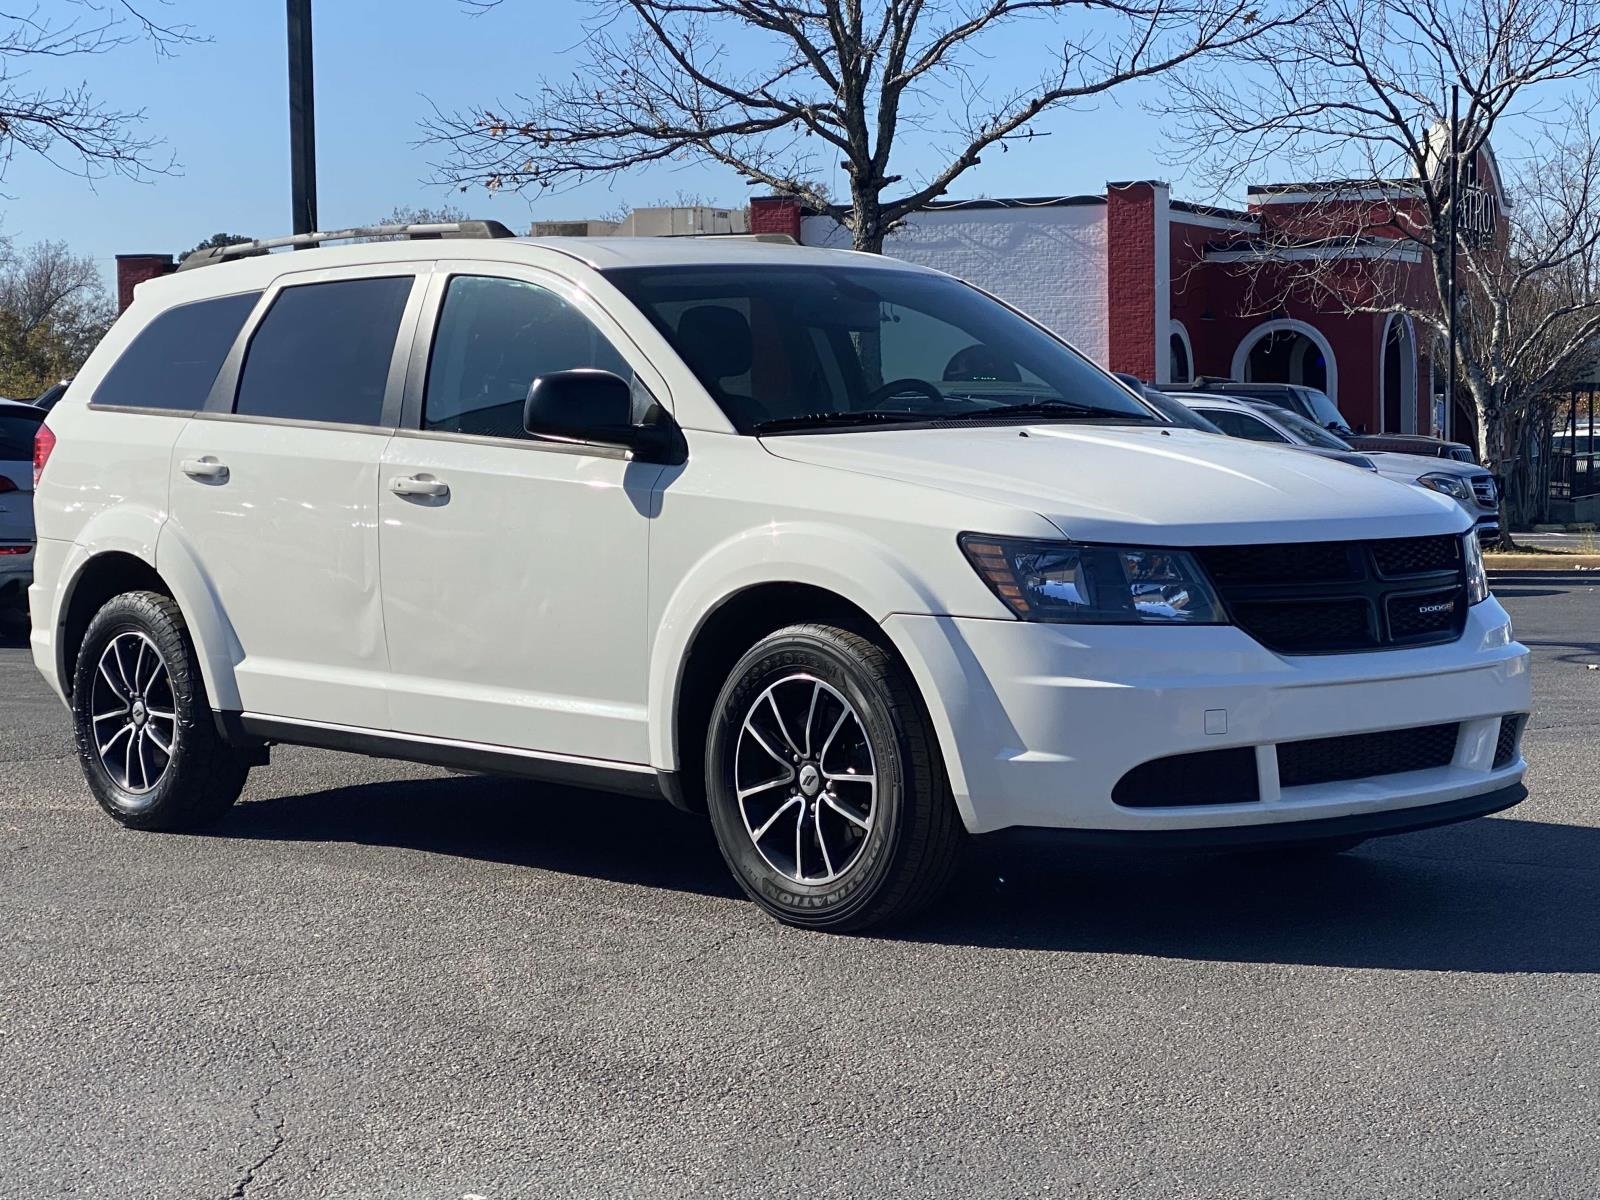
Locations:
column 215, row 642
column 868, row 573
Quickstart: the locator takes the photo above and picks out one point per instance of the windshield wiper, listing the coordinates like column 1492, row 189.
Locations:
column 826, row 420
column 1044, row 408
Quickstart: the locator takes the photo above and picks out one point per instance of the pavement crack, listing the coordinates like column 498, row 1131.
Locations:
column 247, row 1177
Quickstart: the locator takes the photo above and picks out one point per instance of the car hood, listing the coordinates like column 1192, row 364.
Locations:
column 1157, row 485
column 1411, row 466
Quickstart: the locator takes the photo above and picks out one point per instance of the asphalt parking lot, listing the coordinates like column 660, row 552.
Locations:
column 384, row 981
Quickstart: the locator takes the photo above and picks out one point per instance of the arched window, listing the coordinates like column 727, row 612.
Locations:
column 1287, row 351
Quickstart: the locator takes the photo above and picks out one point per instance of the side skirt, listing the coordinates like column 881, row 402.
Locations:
column 251, row 730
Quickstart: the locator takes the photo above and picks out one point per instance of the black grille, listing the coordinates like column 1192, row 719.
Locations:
column 1204, row 777
column 1416, row 556
column 1333, row 597
column 1505, row 746
column 1363, row 755
column 1271, row 564
column 1327, row 624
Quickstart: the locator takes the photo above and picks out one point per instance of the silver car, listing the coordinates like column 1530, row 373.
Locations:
column 1467, row 484
column 18, row 423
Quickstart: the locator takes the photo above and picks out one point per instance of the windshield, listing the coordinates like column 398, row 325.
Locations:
column 789, row 348
column 1177, row 411
column 1324, row 409
column 1309, row 433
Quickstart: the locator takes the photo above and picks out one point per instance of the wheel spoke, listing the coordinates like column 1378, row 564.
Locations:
column 822, row 755
column 762, row 742
column 164, row 715
column 138, row 668
column 115, row 712
column 799, row 830
column 772, row 702
column 844, row 812
column 127, row 764
column 116, row 688
column 848, row 777
column 782, row 781
column 122, row 670
column 758, row 834
column 822, row 842
column 164, row 747
column 105, row 747
column 811, row 714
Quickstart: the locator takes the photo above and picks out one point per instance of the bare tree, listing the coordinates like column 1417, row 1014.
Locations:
column 54, row 308
column 1357, row 92
column 66, row 123
column 773, row 89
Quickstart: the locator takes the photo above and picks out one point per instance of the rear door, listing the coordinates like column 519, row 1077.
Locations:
column 275, row 489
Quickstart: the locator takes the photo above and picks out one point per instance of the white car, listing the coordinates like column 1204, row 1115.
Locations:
column 1468, row 484
column 840, row 550
column 18, row 424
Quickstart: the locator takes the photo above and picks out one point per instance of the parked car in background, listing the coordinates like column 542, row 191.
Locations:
column 1413, row 443
column 835, row 549
column 18, row 424
column 1260, row 421
column 1172, row 410
column 1311, row 403
column 46, row 399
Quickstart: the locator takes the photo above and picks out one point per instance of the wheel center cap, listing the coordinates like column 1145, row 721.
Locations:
column 810, row 780
column 139, row 713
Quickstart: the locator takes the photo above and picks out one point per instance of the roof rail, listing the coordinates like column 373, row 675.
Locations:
column 442, row 229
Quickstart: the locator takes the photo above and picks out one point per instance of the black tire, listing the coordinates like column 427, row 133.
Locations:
column 909, row 849
column 201, row 777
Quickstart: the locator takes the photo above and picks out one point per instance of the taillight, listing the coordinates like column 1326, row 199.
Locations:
column 43, row 443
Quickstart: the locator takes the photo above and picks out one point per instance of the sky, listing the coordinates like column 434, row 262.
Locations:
column 220, row 106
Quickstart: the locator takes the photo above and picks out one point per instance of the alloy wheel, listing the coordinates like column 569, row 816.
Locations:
column 805, row 779
column 133, row 713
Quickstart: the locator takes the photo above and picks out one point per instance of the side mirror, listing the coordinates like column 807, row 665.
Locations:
column 595, row 408
column 585, row 405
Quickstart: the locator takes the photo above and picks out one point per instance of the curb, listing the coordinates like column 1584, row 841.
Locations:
column 1540, row 564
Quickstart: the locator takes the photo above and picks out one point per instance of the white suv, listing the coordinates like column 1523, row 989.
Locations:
column 840, row 550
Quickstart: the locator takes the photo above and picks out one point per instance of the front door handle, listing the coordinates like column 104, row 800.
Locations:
column 416, row 485
column 204, row 468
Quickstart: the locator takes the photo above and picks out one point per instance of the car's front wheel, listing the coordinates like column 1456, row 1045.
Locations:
column 825, row 784
column 146, row 740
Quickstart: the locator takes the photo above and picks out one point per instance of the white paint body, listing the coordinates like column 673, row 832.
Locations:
column 548, row 605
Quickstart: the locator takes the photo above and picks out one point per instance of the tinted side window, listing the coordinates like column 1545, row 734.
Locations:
column 322, row 352
column 494, row 337
column 1239, row 425
column 174, row 360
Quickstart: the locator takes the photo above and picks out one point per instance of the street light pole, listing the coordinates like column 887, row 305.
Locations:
column 1455, row 208
column 302, row 120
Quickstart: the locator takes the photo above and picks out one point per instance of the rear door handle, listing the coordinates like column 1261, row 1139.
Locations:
column 415, row 485
column 204, row 468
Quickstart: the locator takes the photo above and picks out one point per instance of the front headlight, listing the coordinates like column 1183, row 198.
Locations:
column 1451, row 485
column 1106, row 585
column 1477, row 577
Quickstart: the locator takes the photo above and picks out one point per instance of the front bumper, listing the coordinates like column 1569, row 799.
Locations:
column 1039, row 722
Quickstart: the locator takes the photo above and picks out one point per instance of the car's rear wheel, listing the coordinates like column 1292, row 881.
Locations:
column 825, row 784
column 146, row 739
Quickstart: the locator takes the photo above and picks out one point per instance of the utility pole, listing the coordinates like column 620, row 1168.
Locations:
column 1455, row 223
column 302, row 120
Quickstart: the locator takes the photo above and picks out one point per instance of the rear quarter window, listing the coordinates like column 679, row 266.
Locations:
column 174, row 360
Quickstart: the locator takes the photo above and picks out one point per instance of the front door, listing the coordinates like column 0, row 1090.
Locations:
column 514, row 570
column 275, row 496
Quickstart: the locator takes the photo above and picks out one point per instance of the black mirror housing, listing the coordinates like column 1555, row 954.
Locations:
column 583, row 405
